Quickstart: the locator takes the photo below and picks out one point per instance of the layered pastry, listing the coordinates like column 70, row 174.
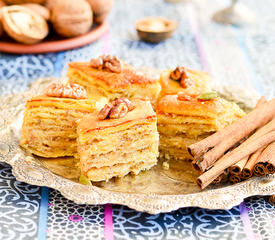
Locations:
column 109, row 77
column 184, row 80
column 185, row 119
column 49, row 125
column 120, row 139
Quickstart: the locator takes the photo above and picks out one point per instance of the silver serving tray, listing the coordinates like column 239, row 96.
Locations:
column 154, row 191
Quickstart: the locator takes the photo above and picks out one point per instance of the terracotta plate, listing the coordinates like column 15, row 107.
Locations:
column 54, row 44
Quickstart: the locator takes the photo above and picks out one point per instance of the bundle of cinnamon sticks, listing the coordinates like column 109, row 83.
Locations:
column 239, row 151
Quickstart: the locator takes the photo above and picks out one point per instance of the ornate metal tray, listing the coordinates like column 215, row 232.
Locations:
column 154, row 191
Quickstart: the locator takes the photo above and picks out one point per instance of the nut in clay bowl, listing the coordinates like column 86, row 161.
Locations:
column 71, row 18
column 41, row 10
column 11, row 2
column 23, row 24
column 155, row 29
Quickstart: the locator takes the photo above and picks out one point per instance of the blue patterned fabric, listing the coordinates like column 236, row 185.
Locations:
column 242, row 56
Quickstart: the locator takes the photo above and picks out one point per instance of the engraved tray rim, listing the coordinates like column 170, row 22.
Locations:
column 27, row 169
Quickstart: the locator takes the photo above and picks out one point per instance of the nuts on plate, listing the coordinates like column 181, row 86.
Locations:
column 41, row 10
column 23, row 24
column 23, row 1
column 100, row 8
column 2, row 4
column 71, row 17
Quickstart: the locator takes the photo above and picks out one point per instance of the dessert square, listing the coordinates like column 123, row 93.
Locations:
column 49, row 124
column 184, row 120
column 184, row 80
column 100, row 77
column 114, row 147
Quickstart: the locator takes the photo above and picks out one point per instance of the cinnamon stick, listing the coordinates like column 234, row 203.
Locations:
column 266, row 162
column 204, row 164
column 214, row 146
column 261, row 100
column 233, row 157
column 234, row 178
column 260, row 169
column 247, row 171
column 222, row 178
column 238, row 167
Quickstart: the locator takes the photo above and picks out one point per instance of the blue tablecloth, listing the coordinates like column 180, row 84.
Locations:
column 239, row 56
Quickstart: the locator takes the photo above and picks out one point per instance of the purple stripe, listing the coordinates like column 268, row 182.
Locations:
column 198, row 40
column 246, row 222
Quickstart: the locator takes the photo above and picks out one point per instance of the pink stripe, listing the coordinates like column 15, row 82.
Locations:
column 106, row 43
column 196, row 35
column 246, row 222
column 108, row 211
column 108, row 222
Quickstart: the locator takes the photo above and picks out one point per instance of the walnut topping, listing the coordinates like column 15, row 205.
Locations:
column 117, row 109
column 180, row 74
column 106, row 62
column 70, row 90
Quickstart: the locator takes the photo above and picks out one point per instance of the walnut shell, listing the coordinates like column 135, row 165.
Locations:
column 101, row 9
column 71, row 18
column 24, row 25
column 11, row 2
column 2, row 4
column 50, row 3
column 41, row 10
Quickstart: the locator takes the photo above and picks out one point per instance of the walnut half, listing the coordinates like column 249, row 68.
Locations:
column 117, row 109
column 106, row 62
column 180, row 74
column 70, row 90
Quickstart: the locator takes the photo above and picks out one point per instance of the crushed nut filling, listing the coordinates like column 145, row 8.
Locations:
column 106, row 62
column 117, row 109
column 180, row 74
column 70, row 90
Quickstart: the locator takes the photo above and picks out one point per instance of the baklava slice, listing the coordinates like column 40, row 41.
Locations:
column 120, row 139
column 49, row 124
column 109, row 77
column 185, row 119
column 184, row 80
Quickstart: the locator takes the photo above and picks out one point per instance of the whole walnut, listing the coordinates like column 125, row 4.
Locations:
column 11, row 2
column 24, row 25
column 101, row 9
column 2, row 4
column 39, row 9
column 50, row 3
column 71, row 18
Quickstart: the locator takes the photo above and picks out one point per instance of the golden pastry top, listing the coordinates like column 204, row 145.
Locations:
column 199, row 82
column 143, row 112
column 126, row 77
column 61, row 103
column 190, row 104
